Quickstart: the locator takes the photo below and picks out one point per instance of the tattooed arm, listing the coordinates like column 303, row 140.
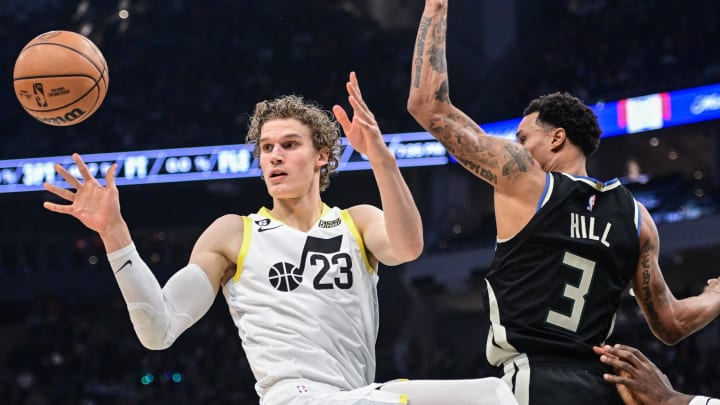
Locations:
column 500, row 162
column 670, row 319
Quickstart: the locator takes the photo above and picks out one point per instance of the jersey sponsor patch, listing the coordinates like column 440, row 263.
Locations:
column 329, row 224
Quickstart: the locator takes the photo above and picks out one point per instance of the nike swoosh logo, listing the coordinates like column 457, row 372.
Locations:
column 268, row 229
column 129, row 262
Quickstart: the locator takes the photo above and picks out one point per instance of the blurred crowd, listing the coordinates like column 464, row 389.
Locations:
column 183, row 73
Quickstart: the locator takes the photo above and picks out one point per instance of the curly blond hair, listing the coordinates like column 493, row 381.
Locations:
column 323, row 127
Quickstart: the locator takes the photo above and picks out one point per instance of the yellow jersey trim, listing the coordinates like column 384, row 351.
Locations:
column 345, row 215
column 403, row 399
column 247, row 237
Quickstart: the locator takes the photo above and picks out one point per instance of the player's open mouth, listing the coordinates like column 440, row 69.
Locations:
column 277, row 174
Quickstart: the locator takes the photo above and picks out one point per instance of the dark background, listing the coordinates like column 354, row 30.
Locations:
column 186, row 73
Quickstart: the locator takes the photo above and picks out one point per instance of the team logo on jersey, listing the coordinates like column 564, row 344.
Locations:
column 329, row 267
column 591, row 202
column 329, row 224
column 285, row 276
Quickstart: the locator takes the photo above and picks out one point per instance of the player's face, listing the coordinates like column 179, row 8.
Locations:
column 288, row 159
column 535, row 137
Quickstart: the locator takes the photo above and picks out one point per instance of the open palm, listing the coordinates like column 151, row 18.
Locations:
column 362, row 131
column 96, row 206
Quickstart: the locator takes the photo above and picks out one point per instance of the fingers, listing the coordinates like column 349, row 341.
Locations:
column 69, row 178
column 59, row 191
column 342, row 118
column 84, row 171
column 621, row 359
column 355, row 85
column 616, row 379
column 110, row 175
column 353, row 89
column 361, row 110
column 62, row 209
column 627, row 353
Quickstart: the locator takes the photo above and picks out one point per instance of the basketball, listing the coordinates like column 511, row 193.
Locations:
column 60, row 78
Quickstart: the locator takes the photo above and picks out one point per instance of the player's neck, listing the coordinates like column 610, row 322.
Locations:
column 300, row 213
column 575, row 165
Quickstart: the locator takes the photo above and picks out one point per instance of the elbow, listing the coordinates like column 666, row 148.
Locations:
column 153, row 342
column 419, row 106
column 412, row 250
column 425, row 109
column 669, row 339
column 414, row 105
column 669, row 334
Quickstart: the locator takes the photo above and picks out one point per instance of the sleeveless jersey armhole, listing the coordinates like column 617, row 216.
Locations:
column 345, row 215
column 547, row 192
column 544, row 198
column 247, row 236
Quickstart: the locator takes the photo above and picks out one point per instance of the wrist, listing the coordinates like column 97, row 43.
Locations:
column 680, row 399
column 116, row 236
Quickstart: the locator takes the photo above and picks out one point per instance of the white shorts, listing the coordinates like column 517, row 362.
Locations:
column 305, row 392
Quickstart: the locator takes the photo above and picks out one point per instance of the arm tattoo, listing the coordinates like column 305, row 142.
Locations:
column 520, row 159
column 443, row 92
column 439, row 31
column 437, row 59
column 646, row 264
column 420, row 48
column 474, row 153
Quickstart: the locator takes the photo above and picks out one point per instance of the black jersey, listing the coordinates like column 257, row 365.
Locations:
column 554, row 288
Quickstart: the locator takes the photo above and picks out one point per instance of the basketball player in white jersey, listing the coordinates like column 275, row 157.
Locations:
column 299, row 278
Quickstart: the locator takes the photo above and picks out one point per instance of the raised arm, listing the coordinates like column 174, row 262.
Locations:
column 159, row 315
column 393, row 235
column 497, row 161
column 670, row 319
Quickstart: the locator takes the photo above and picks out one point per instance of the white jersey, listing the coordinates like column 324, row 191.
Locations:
column 305, row 303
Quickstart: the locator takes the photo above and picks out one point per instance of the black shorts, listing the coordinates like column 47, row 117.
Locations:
column 556, row 382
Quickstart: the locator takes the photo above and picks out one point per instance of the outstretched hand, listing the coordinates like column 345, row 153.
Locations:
column 96, row 206
column 362, row 131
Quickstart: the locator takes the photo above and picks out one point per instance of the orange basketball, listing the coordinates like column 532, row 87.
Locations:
column 60, row 78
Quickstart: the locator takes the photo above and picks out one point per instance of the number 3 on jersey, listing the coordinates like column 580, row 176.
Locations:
column 325, row 253
column 575, row 293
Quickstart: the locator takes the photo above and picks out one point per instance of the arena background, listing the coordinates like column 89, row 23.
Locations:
column 186, row 73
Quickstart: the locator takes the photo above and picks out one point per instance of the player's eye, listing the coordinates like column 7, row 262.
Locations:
column 267, row 148
column 289, row 145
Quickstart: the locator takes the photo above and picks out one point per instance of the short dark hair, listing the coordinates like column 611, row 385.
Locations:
column 563, row 110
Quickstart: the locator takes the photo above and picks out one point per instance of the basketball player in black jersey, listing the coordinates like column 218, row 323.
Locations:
column 568, row 245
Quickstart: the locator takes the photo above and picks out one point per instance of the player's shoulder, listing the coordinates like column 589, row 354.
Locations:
column 364, row 214
column 363, row 210
column 227, row 223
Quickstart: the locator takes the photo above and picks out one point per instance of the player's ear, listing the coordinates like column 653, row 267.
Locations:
column 323, row 157
column 558, row 136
